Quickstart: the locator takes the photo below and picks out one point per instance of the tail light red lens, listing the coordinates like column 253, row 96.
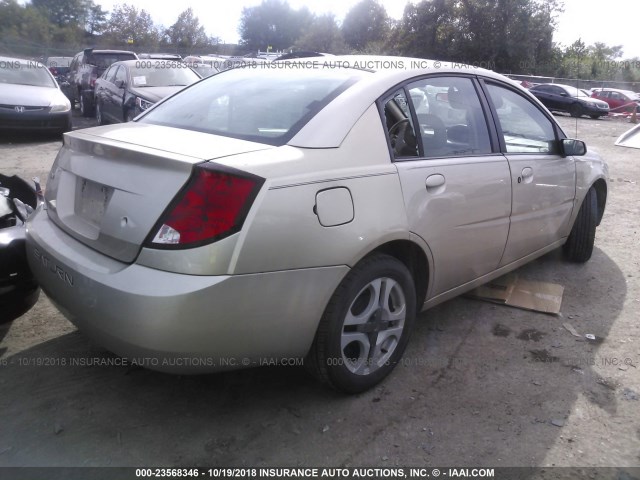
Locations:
column 211, row 206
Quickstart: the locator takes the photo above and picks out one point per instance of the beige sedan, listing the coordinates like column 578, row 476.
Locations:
column 306, row 209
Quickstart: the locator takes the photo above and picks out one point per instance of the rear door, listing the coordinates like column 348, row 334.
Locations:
column 543, row 182
column 116, row 93
column 544, row 93
column 456, row 187
column 102, row 92
column 616, row 101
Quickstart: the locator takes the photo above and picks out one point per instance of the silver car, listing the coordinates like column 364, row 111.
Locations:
column 31, row 99
column 306, row 210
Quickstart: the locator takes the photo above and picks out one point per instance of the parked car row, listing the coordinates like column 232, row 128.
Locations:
column 595, row 103
column 565, row 98
column 85, row 69
column 130, row 87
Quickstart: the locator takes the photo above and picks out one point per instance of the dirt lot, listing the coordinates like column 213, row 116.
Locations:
column 480, row 384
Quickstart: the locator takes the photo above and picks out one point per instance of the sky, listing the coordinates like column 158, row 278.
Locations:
column 581, row 19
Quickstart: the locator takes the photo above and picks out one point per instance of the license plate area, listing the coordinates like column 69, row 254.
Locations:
column 92, row 200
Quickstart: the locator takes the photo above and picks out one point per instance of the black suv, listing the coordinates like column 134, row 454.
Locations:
column 85, row 68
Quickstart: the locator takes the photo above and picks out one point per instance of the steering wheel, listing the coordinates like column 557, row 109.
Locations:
column 397, row 125
column 397, row 134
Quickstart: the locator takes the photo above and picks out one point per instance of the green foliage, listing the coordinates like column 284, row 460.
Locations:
column 506, row 35
column 426, row 30
column 23, row 29
column 187, row 32
column 64, row 12
column 274, row 24
column 127, row 23
column 323, row 35
column 367, row 22
column 96, row 19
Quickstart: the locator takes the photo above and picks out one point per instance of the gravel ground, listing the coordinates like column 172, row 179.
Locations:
column 480, row 384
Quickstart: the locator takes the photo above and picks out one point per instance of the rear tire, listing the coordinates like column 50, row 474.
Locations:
column 366, row 325
column 86, row 107
column 579, row 246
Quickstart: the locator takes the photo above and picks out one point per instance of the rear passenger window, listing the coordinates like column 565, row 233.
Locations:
column 525, row 128
column 450, row 117
column 399, row 124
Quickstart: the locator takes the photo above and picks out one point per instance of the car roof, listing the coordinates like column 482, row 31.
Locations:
column 137, row 63
column 94, row 51
column 630, row 93
column 328, row 128
column 561, row 85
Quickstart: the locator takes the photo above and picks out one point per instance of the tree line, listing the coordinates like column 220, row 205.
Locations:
column 509, row 36
column 66, row 26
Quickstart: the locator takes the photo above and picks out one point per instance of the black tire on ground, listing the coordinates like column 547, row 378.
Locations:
column 579, row 246
column 375, row 304
column 576, row 110
column 67, row 128
column 595, row 117
column 86, row 105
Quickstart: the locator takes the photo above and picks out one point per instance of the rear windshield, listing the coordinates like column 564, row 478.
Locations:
column 104, row 60
column 257, row 104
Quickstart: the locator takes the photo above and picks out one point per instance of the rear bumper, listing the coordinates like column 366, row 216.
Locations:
column 175, row 322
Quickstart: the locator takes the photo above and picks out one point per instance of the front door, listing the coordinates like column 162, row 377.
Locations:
column 543, row 182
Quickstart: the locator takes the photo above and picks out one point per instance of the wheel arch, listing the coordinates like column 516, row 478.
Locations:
column 600, row 187
column 415, row 259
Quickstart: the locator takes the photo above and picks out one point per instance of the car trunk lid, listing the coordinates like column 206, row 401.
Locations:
column 109, row 185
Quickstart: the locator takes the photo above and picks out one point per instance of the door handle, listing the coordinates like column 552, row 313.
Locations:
column 527, row 175
column 435, row 183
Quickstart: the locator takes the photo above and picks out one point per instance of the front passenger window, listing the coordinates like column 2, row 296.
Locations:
column 525, row 129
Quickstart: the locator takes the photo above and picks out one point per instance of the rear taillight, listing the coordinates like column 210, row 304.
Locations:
column 213, row 204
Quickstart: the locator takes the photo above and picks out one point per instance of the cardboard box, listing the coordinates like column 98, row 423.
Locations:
column 526, row 294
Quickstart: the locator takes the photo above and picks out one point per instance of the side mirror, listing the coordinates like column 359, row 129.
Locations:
column 120, row 83
column 572, row 148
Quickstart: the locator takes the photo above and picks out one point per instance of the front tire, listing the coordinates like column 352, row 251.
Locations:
column 99, row 117
column 576, row 110
column 366, row 325
column 579, row 246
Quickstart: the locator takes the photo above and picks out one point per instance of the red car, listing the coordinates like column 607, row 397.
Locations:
column 619, row 100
